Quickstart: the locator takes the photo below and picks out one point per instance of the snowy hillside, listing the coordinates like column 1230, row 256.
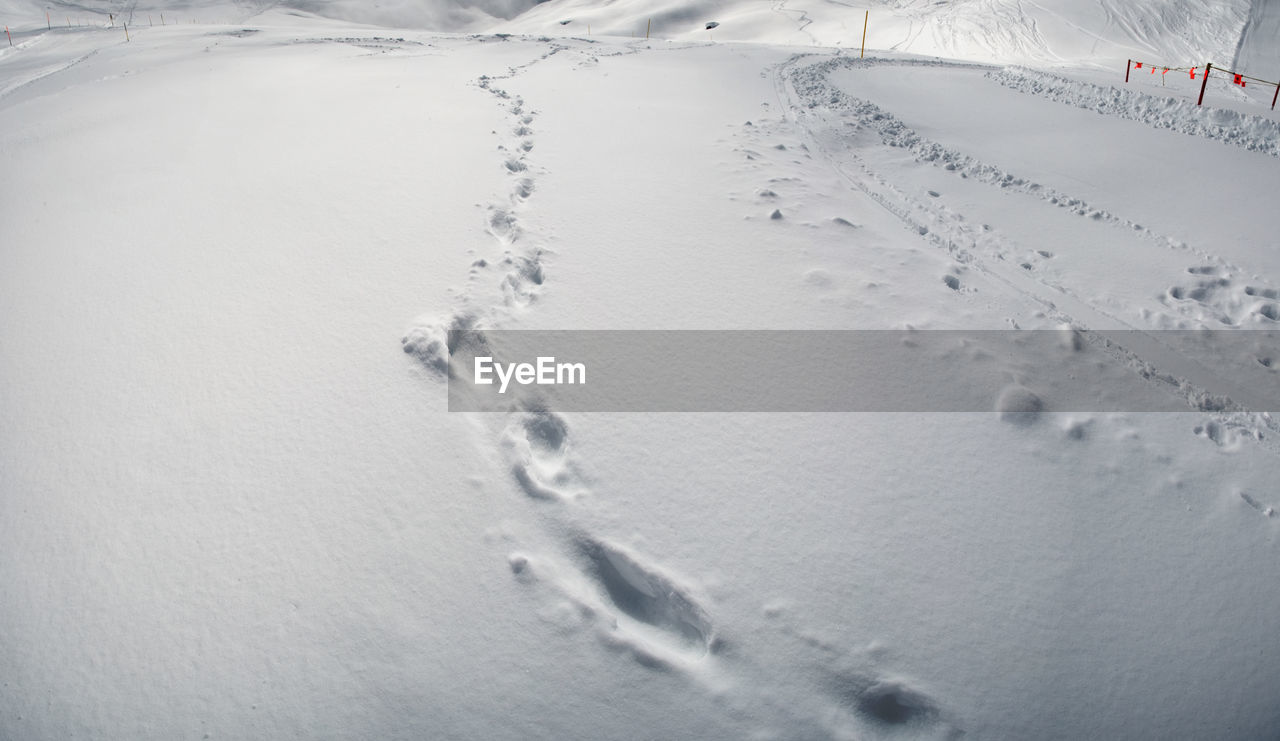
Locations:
column 235, row 504
column 442, row 15
column 1058, row 32
column 1009, row 31
column 1257, row 53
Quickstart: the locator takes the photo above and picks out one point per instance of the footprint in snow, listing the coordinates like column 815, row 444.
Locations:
column 1266, row 511
column 644, row 593
column 537, row 446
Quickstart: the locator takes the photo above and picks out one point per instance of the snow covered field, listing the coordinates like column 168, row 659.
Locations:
column 234, row 504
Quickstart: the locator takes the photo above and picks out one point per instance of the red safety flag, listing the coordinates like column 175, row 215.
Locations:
column 1166, row 71
column 1193, row 73
column 1239, row 80
column 1137, row 65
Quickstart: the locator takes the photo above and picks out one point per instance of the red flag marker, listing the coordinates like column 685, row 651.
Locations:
column 1239, row 80
column 1193, row 73
column 6, row 33
column 1137, row 65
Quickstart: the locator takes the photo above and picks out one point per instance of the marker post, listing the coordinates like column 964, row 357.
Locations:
column 866, row 17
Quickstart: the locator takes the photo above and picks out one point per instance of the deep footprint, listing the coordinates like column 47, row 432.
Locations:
column 539, row 445
column 885, row 703
column 645, row 594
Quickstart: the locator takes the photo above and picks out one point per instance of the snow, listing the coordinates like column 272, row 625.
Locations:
column 234, row 504
column 1046, row 32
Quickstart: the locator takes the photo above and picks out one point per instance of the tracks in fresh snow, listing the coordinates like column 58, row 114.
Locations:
column 635, row 605
column 594, row 581
column 1209, row 295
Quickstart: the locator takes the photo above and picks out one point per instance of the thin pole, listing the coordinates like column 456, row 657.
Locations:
column 1127, row 65
column 126, row 32
column 1273, row 97
column 647, row 27
column 1204, row 84
column 865, row 18
column 6, row 33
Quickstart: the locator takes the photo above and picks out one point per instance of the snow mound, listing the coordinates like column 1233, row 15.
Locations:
column 1250, row 132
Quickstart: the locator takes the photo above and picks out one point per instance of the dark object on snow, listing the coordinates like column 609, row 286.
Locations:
column 566, row 22
column 711, row 25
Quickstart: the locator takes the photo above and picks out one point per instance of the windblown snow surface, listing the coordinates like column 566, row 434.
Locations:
column 233, row 503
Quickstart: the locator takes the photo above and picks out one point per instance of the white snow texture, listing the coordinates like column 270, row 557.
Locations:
column 234, row 242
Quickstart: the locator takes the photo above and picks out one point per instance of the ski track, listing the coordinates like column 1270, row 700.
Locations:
column 802, row 19
column 1208, row 296
column 45, row 74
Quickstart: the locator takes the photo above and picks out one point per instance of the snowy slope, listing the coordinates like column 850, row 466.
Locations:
column 1061, row 32
column 999, row 31
column 233, row 503
column 442, row 15
column 1257, row 53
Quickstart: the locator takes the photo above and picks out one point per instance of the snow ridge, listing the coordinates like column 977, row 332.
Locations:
column 1254, row 133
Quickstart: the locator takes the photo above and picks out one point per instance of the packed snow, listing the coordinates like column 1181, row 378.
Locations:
column 234, row 502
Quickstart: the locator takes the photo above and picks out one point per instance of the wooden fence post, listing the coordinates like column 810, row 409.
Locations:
column 865, row 17
column 1127, row 65
column 1205, row 83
